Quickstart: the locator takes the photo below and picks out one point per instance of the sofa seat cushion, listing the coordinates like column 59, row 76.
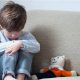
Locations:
column 63, row 78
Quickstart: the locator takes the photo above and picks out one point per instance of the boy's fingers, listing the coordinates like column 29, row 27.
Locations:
column 7, row 52
column 11, row 53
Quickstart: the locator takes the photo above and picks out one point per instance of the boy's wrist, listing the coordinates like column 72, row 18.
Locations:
column 21, row 44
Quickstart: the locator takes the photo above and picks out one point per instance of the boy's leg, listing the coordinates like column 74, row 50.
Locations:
column 24, row 65
column 9, row 64
column 1, row 67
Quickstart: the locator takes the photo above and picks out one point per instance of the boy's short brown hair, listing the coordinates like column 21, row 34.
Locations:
column 13, row 17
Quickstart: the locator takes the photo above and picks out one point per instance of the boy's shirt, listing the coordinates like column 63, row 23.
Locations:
column 29, row 41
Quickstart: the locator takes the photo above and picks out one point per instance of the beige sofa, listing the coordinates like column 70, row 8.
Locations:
column 59, row 34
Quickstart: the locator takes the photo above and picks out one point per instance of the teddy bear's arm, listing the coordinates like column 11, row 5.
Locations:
column 43, row 70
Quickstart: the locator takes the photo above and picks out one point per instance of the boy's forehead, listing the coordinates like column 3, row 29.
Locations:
column 12, row 31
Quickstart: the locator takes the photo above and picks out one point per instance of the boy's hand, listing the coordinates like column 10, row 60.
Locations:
column 14, row 47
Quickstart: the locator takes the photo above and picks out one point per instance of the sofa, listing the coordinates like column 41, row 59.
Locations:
column 59, row 34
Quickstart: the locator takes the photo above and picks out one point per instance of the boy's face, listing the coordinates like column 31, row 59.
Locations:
column 12, row 35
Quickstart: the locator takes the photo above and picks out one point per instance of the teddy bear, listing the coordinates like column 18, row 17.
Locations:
column 56, row 69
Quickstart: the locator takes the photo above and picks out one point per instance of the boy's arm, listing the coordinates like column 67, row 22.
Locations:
column 4, row 45
column 30, row 44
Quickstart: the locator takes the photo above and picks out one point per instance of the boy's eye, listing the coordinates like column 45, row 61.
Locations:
column 9, row 31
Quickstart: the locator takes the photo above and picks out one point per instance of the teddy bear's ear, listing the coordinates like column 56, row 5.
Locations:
column 52, row 58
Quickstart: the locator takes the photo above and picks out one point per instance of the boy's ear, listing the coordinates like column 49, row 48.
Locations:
column 1, row 27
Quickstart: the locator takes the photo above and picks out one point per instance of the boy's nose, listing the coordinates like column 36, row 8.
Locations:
column 13, row 36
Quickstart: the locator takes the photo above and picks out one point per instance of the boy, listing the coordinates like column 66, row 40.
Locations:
column 16, row 47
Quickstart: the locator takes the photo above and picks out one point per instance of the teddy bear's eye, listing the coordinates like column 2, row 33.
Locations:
column 58, row 57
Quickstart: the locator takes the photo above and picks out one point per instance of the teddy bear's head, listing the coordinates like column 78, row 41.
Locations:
column 57, row 62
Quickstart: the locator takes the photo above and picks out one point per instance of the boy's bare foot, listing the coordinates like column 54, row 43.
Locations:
column 9, row 77
column 21, row 77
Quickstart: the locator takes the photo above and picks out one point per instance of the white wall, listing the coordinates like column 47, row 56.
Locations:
column 2, row 2
column 64, row 5
column 68, row 5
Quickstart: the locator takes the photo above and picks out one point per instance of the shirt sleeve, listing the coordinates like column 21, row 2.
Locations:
column 4, row 45
column 30, row 43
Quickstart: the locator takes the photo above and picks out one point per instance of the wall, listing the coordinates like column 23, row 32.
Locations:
column 63, row 5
